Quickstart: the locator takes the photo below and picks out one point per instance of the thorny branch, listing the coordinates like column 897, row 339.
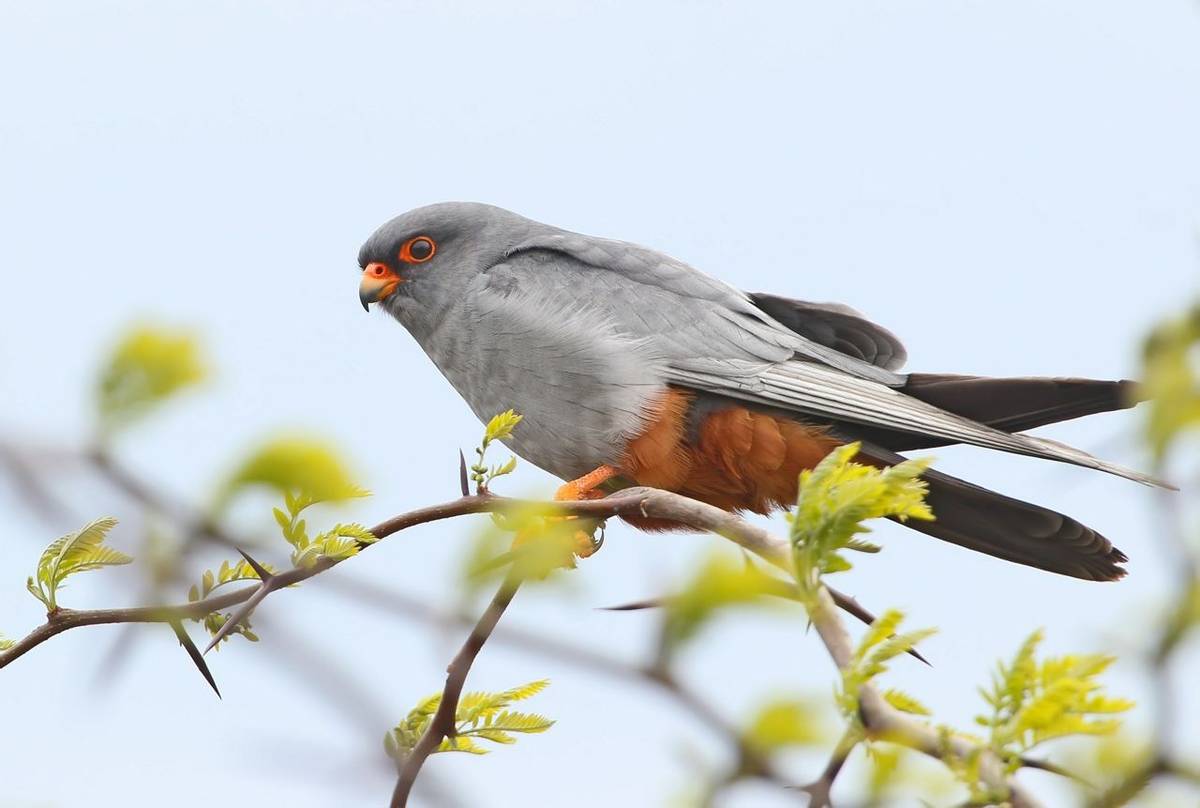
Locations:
column 880, row 719
column 643, row 501
column 662, row 680
column 442, row 725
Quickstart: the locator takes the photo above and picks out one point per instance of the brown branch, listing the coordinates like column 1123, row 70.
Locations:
column 66, row 619
column 635, row 501
column 819, row 790
column 443, row 724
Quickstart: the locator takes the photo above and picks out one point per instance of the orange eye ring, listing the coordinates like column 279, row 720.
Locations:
column 418, row 250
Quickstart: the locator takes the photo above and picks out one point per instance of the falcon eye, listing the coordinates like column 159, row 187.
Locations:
column 418, row 250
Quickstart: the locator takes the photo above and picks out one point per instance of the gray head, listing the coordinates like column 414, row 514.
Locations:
column 422, row 260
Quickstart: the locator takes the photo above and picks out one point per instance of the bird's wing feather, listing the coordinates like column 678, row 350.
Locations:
column 822, row 392
column 716, row 304
column 836, row 326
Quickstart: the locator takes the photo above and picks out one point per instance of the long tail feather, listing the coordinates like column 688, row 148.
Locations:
column 987, row 522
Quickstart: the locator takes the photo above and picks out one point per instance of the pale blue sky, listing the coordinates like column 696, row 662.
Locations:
column 1013, row 188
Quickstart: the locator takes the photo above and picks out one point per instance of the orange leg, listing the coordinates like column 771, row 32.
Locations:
column 585, row 486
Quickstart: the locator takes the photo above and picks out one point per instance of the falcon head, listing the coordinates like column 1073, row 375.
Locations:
column 428, row 255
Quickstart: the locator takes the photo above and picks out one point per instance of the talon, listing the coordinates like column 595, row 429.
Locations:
column 586, row 544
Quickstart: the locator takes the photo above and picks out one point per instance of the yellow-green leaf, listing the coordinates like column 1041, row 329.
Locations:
column 1171, row 380
column 75, row 552
column 905, row 703
column 148, row 366
column 784, row 723
column 501, row 426
column 837, row 497
column 292, row 465
column 719, row 583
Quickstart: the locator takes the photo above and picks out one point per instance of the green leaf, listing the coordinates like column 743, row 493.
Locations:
column 719, row 583
column 306, row 470
column 461, row 744
column 339, row 544
column 5, row 643
column 1171, row 380
column 879, row 645
column 905, row 703
column 148, row 366
column 1035, row 701
column 786, row 723
column 480, row 715
column 834, row 501
column 501, row 426
column 75, row 552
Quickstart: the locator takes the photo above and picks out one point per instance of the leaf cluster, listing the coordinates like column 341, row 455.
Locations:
column 75, row 552
column 880, row 644
column 480, row 717
column 209, row 582
column 499, row 428
column 307, row 474
column 339, row 542
column 1033, row 701
column 835, row 500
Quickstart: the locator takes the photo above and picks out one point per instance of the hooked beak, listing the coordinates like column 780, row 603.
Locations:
column 378, row 283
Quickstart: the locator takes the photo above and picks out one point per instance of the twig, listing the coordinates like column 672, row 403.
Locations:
column 882, row 721
column 443, row 724
column 819, row 790
column 580, row 656
column 780, row 589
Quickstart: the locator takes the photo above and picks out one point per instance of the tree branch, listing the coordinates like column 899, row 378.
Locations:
column 819, row 790
column 443, row 724
column 637, row 501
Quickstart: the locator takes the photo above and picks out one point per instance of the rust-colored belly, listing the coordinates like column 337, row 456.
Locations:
column 736, row 458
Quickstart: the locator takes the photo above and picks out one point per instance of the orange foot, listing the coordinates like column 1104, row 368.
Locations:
column 585, row 488
column 582, row 488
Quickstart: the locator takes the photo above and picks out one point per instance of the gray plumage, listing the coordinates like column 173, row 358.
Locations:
column 581, row 334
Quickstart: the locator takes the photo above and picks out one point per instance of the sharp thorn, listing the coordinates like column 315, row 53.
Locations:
column 463, row 483
column 263, row 573
column 240, row 615
column 851, row 606
column 196, row 657
column 637, row 605
column 1047, row 766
